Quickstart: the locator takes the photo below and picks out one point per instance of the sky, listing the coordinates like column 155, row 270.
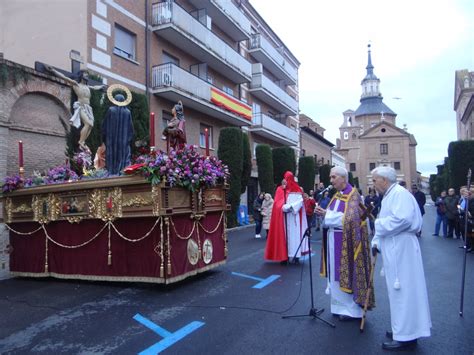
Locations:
column 417, row 45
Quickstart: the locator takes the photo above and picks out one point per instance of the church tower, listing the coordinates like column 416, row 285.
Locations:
column 369, row 136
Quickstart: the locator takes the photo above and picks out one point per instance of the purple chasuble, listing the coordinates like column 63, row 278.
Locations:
column 338, row 233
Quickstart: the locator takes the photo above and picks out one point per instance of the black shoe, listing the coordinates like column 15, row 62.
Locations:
column 284, row 262
column 435, row 235
column 399, row 345
column 296, row 261
column 389, row 334
column 317, row 229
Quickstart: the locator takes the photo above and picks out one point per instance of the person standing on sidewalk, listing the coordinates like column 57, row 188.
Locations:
column 452, row 213
column 421, row 200
column 441, row 215
column 267, row 207
column 257, row 214
column 396, row 227
column 309, row 205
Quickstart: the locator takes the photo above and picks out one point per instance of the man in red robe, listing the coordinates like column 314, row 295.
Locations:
column 288, row 223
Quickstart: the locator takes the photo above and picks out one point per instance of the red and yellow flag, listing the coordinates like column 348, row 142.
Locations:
column 231, row 104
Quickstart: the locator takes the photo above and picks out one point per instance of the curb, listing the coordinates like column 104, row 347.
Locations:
column 234, row 229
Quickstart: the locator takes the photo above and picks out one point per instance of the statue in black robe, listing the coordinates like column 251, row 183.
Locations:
column 117, row 133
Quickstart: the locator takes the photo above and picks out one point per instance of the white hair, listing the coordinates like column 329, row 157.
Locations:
column 340, row 171
column 386, row 172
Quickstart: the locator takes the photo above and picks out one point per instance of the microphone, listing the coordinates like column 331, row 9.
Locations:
column 326, row 189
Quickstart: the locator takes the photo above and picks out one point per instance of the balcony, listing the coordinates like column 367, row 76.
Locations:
column 261, row 49
column 173, row 83
column 267, row 127
column 227, row 17
column 267, row 91
column 173, row 23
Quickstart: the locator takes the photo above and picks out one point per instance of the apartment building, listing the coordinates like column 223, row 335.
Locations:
column 219, row 57
column 369, row 136
column 464, row 103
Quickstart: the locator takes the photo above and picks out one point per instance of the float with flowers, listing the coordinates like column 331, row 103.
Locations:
column 161, row 221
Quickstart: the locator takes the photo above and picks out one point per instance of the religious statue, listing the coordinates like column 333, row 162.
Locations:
column 117, row 131
column 175, row 132
column 82, row 108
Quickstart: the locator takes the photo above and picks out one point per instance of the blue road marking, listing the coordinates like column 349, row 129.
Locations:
column 267, row 281
column 168, row 337
column 262, row 283
column 152, row 326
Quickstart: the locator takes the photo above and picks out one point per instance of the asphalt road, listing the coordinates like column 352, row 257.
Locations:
column 220, row 312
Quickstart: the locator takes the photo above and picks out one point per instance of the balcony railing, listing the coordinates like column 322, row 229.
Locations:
column 272, row 59
column 274, row 129
column 174, row 83
column 227, row 17
column 271, row 93
column 193, row 37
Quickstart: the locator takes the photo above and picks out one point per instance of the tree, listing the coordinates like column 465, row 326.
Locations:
column 283, row 160
column 460, row 159
column 263, row 153
column 324, row 171
column 306, row 173
column 247, row 162
column 230, row 152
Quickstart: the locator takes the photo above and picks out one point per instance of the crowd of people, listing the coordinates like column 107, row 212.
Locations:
column 388, row 220
column 451, row 215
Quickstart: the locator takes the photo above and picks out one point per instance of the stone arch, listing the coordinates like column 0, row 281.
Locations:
column 40, row 120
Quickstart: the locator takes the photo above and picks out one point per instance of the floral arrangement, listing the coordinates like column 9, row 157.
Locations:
column 83, row 160
column 12, row 183
column 183, row 168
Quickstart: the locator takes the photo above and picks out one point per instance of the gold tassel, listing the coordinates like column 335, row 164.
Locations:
column 109, row 258
column 162, row 270
column 168, row 266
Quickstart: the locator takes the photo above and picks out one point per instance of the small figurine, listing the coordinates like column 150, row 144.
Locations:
column 175, row 132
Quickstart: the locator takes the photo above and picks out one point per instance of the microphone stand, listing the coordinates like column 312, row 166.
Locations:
column 313, row 312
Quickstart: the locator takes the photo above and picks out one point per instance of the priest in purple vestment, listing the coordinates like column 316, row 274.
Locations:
column 345, row 255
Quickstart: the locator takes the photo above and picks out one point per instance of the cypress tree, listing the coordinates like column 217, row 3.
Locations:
column 283, row 160
column 263, row 153
column 231, row 153
column 306, row 172
column 247, row 162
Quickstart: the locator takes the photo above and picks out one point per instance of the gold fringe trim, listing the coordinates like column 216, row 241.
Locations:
column 194, row 272
column 91, row 277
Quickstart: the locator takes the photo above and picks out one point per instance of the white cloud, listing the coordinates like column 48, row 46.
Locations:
column 416, row 48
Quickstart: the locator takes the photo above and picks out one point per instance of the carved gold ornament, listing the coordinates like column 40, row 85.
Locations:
column 193, row 252
column 110, row 96
column 207, row 251
column 137, row 201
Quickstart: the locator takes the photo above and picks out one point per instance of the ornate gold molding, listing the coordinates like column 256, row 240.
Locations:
column 8, row 209
column 23, row 208
column 137, row 201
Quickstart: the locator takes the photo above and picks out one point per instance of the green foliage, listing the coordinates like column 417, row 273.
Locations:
column 263, row 153
column 306, row 172
column 247, row 162
column 461, row 158
column 324, row 171
column 283, row 160
column 356, row 182
column 231, row 153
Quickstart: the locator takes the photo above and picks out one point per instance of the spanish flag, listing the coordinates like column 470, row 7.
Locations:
column 231, row 104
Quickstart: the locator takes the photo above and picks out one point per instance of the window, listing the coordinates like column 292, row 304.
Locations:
column 354, row 136
column 228, row 90
column 396, row 165
column 384, row 148
column 168, row 58
column 202, row 136
column 346, row 135
column 125, row 43
column 371, row 166
column 352, row 167
column 303, row 152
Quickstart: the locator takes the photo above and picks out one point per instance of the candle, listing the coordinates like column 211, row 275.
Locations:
column 152, row 129
column 20, row 153
column 206, row 135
